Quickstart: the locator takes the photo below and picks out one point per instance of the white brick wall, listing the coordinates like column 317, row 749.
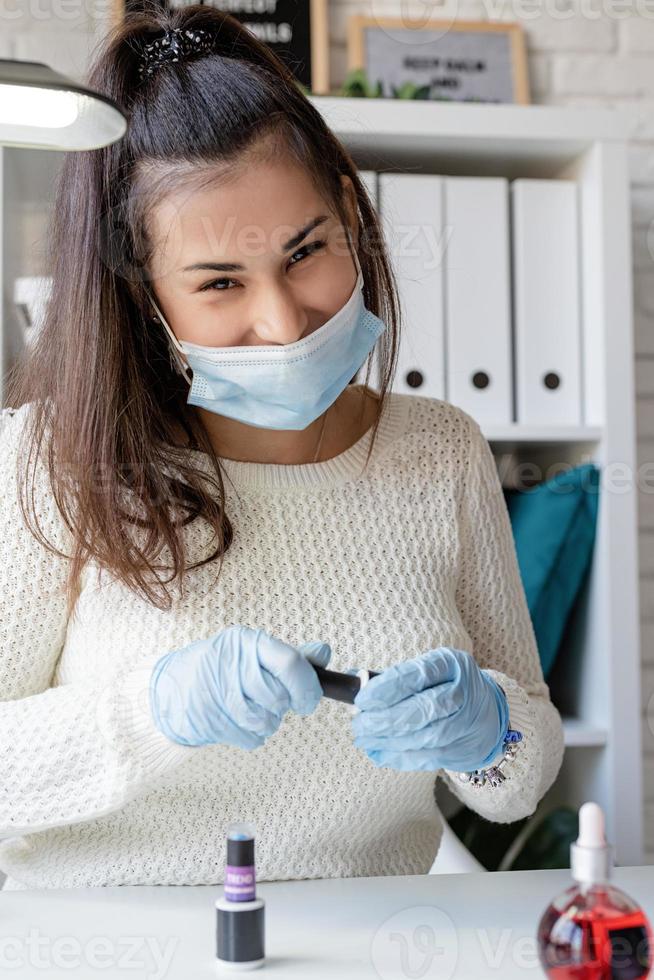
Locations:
column 585, row 52
column 60, row 33
column 635, row 47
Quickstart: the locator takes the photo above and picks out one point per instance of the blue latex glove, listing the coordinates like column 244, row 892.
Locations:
column 234, row 687
column 436, row 711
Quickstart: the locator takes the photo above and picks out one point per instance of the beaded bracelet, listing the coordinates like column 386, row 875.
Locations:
column 494, row 775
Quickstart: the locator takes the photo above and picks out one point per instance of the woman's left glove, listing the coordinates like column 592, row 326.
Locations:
column 436, row 711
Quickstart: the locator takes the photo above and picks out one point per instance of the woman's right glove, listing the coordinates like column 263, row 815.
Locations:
column 437, row 710
column 234, row 687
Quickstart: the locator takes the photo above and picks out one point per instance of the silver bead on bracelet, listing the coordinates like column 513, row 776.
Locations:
column 494, row 775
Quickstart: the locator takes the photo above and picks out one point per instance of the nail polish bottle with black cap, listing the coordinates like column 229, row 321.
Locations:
column 240, row 915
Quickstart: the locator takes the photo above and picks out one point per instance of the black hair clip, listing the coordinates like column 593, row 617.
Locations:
column 173, row 45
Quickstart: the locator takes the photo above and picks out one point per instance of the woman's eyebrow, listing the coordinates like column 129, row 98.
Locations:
column 237, row 267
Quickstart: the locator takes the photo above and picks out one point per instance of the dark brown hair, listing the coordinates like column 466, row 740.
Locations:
column 99, row 373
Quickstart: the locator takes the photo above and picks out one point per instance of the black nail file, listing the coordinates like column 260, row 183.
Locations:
column 340, row 687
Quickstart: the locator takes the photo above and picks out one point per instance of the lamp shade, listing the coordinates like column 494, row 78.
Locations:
column 41, row 109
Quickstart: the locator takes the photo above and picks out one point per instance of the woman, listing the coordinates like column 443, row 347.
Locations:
column 146, row 702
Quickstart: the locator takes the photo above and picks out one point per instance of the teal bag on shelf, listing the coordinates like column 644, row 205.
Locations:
column 553, row 527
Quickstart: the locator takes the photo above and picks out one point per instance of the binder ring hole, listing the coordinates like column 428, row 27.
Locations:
column 480, row 379
column 414, row 379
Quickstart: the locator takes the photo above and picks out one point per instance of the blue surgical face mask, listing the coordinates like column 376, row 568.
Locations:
column 282, row 387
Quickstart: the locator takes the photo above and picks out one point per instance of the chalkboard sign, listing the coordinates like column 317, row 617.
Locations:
column 296, row 30
column 463, row 61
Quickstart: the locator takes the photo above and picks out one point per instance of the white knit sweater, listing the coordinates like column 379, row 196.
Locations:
column 414, row 553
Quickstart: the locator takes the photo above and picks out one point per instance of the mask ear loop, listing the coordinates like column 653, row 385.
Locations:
column 355, row 255
column 360, row 278
column 176, row 360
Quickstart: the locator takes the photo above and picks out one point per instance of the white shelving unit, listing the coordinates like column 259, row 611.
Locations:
column 596, row 680
column 596, row 683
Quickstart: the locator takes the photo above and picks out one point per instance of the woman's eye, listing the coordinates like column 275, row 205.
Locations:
column 308, row 249
column 216, row 284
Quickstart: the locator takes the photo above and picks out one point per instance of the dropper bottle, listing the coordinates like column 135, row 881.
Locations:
column 594, row 930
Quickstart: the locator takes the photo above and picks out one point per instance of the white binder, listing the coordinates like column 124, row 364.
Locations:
column 411, row 212
column 478, row 297
column 546, row 302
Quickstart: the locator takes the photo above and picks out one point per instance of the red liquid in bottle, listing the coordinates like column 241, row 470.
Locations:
column 593, row 931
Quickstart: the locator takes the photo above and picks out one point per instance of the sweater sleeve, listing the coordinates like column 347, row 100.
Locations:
column 493, row 607
column 73, row 752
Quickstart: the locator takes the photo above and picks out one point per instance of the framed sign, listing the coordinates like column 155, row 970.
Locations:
column 464, row 61
column 296, row 30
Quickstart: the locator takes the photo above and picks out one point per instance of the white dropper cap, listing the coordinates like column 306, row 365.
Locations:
column 590, row 855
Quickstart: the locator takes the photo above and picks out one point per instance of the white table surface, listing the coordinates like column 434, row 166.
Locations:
column 416, row 926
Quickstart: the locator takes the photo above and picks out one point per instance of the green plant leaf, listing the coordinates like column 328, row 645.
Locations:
column 487, row 841
column 539, row 841
column 357, row 85
column 406, row 90
column 547, row 844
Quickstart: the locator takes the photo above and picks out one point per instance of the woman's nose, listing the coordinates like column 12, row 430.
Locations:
column 279, row 319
